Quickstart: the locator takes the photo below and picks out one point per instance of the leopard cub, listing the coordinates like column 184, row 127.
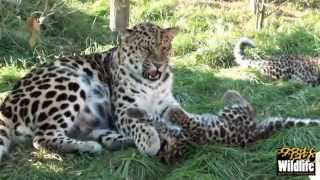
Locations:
column 286, row 67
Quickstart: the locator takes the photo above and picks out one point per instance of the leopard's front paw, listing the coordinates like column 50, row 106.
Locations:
column 90, row 146
column 148, row 141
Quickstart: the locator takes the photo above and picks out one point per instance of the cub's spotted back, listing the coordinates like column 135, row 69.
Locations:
column 286, row 67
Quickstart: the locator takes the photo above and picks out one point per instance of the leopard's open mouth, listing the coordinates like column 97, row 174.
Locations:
column 153, row 75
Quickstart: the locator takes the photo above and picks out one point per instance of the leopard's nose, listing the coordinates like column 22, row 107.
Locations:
column 158, row 66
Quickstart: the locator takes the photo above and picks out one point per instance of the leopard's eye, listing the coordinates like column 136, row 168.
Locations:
column 164, row 49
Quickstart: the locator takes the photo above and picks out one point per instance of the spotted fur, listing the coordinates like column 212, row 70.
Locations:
column 285, row 67
column 142, row 79
column 66, row 105
column 63, row 106
column 235, row 124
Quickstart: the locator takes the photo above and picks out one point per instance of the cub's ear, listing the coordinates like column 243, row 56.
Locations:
column 169, row 33
column 126, row 35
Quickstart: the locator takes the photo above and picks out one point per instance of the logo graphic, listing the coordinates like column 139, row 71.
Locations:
column 317, row 176
column 296, row 161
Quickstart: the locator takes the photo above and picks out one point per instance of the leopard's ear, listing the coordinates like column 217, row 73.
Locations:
column 168, row 34
column 126, row 35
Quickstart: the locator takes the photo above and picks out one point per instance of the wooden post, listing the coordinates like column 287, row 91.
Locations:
column 261, row 13
column 258, row 7
column 119, row 16
column 253, row 6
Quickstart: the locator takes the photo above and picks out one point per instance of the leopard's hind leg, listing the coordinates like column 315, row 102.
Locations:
column 57, row 132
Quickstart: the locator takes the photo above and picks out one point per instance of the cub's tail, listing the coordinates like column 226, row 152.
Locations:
column 238, row 51
column 5, row 131
column 271, row 125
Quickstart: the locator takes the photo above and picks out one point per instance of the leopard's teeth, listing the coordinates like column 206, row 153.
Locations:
column 154, row 77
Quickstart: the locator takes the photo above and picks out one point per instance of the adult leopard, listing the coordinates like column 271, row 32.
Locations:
column 66, row 105
column 286, row 67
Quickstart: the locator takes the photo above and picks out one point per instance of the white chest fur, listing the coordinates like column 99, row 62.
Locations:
column 154, row 97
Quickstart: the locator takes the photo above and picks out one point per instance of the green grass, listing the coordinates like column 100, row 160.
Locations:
column 201, row 52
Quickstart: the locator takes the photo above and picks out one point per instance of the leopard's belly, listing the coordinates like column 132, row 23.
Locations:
column 57, row 98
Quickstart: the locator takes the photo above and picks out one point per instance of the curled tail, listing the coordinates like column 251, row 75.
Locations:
column 272, row 125
column 5, row 133
column 238, row 51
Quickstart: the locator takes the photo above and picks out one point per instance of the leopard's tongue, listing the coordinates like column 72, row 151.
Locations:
column 153, row 73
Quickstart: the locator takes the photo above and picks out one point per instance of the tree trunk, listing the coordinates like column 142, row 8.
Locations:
column 119, row 16
column 260, row 13
column 253, row 6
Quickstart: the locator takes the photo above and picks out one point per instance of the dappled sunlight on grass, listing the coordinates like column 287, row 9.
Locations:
column 237, row 73
column 94, row 8
column 8, row 76
column 60, row 32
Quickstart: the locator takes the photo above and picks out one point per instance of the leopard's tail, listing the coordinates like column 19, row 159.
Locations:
column 5, row 133
column 238, row 52
column 271, row 125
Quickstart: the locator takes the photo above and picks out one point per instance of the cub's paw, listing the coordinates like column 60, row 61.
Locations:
column 234, row 97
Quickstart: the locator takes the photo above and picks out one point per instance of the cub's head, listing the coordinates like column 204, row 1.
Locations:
column 145, row 49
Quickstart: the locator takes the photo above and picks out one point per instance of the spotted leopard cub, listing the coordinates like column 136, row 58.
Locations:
column 286, row 67
column 63, row 106
column 235, row 124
